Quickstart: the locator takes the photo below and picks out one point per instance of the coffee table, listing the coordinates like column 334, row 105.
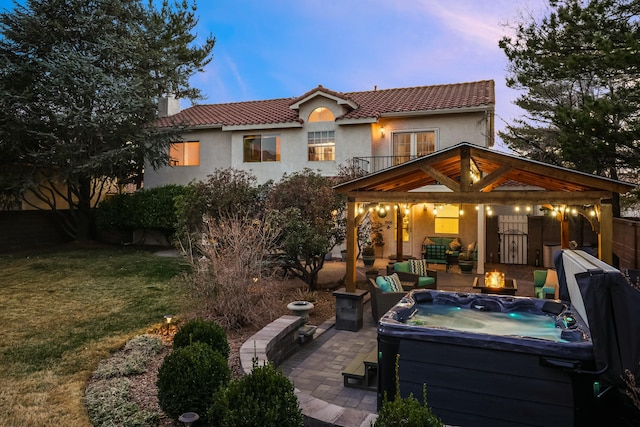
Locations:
column 510, row 287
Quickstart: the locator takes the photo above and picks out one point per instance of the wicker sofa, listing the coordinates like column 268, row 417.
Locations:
column 435, row 252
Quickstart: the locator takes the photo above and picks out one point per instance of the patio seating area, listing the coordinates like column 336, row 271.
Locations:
column 317, row 369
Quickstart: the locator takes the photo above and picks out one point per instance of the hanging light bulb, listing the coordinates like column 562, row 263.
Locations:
column 517, row 208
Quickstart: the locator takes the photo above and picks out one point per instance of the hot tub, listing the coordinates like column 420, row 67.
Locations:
column 489, row 360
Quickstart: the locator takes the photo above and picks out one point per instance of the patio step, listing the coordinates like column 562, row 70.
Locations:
column 362, row 371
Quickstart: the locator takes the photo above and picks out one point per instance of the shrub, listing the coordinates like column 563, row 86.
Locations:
column 264, row 397
column 232, row 279
column 406, row 412
column 151, row 209
column 135, row 356
column 188, row 379
column 110, row 403
column 207, row 332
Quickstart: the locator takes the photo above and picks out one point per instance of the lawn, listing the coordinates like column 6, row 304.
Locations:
column 62, row 312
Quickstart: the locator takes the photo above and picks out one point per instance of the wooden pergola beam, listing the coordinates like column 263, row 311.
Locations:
column 493, row 197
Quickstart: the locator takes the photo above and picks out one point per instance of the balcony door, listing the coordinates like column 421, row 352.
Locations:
column 409, row 145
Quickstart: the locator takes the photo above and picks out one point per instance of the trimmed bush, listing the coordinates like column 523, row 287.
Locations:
column 406, row 412
column 147, row 209
column 206, row 332
column 110, row 403
column 264, row 397
column 188, row 379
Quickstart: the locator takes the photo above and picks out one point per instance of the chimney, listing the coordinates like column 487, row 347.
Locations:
column 168, row 105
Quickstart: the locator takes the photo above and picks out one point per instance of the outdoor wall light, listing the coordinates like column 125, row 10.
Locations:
column 382, row 131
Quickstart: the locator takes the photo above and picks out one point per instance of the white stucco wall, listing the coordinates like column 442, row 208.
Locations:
column 215, row 152
column 451, row 129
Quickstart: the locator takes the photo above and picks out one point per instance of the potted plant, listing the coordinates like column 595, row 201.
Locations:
column 465, row 262
column 372, row 273
column 368, row 255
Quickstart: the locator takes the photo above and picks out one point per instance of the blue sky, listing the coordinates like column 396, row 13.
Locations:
column 283, row 48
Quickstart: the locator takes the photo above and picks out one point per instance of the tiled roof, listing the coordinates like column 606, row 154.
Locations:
column 371, row 104
column 423, row 98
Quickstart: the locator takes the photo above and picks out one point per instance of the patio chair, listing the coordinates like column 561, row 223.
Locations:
column 414, row 274
column 381, row 302
column 545, row 284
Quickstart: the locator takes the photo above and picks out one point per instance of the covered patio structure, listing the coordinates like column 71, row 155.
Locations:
column 470, row 174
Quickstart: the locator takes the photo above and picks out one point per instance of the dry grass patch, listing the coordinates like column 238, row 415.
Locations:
column 64, row 312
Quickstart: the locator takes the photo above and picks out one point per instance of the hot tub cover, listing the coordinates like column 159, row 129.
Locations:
column 612, row 304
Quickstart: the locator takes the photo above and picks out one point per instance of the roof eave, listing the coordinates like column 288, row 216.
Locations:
column 340, row 101
column 474, row 109
column 257, row 126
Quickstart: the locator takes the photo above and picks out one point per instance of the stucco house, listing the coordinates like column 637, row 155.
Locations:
column 322, row 129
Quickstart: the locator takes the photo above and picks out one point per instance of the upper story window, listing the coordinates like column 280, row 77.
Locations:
column 322, row 145
column 261, row 148
column 321, row 114
column 409, row 145
column 185, row 154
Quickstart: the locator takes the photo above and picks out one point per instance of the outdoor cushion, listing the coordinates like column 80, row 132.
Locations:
column 539, row 277
column 426, row 281
column 552, row 278
column 418, row 266
column 383, row 283
column 455, row 244
column 402, row 266
column 396, row 285
column 427, row 241
column 389, row 283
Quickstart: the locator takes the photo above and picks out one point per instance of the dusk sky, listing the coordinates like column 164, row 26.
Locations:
column 283, row 48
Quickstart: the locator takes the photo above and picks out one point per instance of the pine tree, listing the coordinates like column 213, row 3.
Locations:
column 578, row 68
column 79, row 86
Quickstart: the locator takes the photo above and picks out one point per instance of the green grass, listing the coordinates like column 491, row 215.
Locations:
column 61, row 313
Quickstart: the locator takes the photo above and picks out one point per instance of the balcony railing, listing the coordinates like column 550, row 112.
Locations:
column 377, row 163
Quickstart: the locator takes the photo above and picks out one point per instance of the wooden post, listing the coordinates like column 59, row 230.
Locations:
column 481, row 240
column 399, row 234
column 352, row 231
column 564, row 231
column 605, row 244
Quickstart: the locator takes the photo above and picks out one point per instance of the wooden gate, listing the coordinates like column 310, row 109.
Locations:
column 513, row 231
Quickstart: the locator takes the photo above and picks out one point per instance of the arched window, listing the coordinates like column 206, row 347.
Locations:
column 321, row 114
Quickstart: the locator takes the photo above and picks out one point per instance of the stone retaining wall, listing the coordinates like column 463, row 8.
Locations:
column 275, row 343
